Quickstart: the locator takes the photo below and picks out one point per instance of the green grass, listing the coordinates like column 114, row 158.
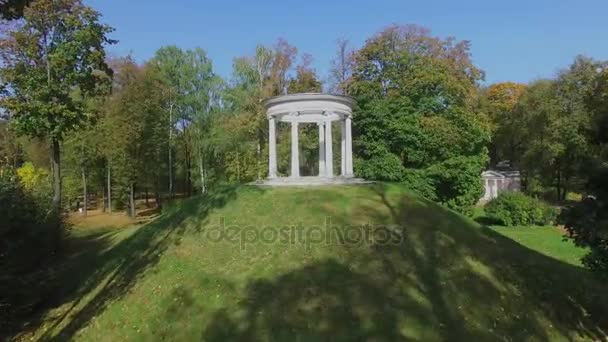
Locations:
column 549, row 241
column 440, row 276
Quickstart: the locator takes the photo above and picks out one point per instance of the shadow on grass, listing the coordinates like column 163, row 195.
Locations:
column 487, row 221
column 106, row 271
column 448, row 280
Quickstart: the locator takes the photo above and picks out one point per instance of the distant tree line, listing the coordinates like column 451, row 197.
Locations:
column 555, row 131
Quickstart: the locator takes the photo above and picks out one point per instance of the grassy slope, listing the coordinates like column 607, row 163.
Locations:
column 450, row 279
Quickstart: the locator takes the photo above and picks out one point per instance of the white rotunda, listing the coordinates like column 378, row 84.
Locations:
column 323, row 110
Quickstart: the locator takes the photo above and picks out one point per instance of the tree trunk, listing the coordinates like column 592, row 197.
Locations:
column 189, row 177
column 158, row 200
column 238, row 167
column 201, row 168
column 170, row 151
column 84, row 192
column 109, row 189
column 56, row 166
column 559, row 185
column 259, row 157
column 147, row 202
column 158, row 191
column 187, row 164
column 565, row 187
column 103, row 197
column 132, row 200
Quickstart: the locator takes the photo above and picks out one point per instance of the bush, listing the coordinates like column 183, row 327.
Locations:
column 36, row 182
column 457, row 181
column 29, row 235
column 382, row 166
column 587, row 223
column 420, row 183
column 518, row 209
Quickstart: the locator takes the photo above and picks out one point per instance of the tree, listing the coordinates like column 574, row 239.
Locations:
column 202, row 100
column 341, row 67
column 125, row 71
column 587, row 221
column 82, row 152
column 284, row 55
column 554, row 121
column 168, row 60
column 192, row 94
column 254, row 79
column 499, row 102
column 416, row 120
column 11, row 151
column 56, row 52
column 137, row 119
column 306, row 80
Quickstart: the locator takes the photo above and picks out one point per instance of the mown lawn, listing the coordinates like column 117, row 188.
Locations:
column 549, row 241
column 371, row 263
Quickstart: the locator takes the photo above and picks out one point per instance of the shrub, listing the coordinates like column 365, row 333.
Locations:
column 382, row 166
column 587, row 222
column 516, row 208
column 457, row 181
column 29, row 235
column 28, row 228
column 420, row 183
column 36, row 182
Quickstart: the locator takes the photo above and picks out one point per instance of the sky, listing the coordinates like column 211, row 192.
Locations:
column 512, row 40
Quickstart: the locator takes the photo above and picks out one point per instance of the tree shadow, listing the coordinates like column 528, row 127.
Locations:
column 487, row 221
column 30, row 294
column 444, row 279
column 325, row 301
column 438, row 276
column 106, row 271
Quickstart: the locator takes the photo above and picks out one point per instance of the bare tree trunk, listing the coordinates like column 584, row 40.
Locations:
column 109, row 189
column 132, row 201
column 56, row 166
column 84, row 191
column 147, row 201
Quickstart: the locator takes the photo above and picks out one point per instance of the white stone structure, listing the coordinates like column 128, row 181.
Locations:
column 496, row 182
column 325, row 111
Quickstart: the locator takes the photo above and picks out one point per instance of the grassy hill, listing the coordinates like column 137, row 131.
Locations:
column 367, row 263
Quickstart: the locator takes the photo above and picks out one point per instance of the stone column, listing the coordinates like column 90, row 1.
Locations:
column 295, row 157
column 329, row 165
column 272, row 148
column 349, row 147
column 486, row 187
column 321, row 149
column 343, row 148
